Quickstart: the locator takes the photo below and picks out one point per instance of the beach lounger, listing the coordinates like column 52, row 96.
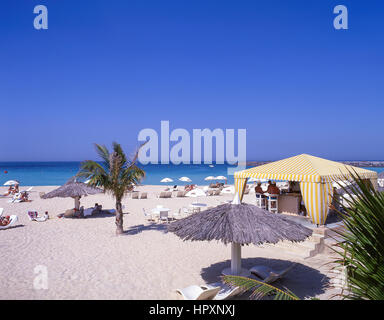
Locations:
column 180, row 194
column 135, row 195
column 1, row 211
column 168, row 194
column 268, row 275
column 162, row 194
column 88, row 212
column 143, row 195
column 13, row 219
column 216, row 192
column 196, row 292
column 226, row 291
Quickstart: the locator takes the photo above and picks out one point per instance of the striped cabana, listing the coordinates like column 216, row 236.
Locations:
column 315, row 175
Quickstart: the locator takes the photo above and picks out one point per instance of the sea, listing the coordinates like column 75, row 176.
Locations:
column 57, row 173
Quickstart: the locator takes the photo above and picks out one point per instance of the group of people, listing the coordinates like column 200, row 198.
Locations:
column 189, row 187
column 12, row 190
column 272, row 188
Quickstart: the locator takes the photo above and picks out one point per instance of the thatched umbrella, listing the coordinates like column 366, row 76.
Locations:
column 238, row 224
column 380, row 175
column 74, row 190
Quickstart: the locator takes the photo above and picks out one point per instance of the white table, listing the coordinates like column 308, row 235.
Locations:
column 197, row 206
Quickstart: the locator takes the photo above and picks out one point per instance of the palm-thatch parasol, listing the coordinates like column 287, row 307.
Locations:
column 380, row 175
column 74, row 190
column 238, row 224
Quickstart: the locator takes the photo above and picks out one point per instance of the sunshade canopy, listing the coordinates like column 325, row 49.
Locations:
column 315, row 175
column 72, row 189
column 305, row 168
column 166, row 180
column 11, row 183
column 186, row 179
column 238, row 223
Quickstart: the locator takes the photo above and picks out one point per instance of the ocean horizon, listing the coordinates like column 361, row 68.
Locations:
column 52, row 173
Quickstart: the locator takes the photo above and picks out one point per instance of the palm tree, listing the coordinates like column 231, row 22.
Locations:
column 115, row 174
column 361, row 249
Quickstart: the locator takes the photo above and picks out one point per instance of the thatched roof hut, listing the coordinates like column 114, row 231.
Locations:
column 380, row 175
column 238, row 224
column 74, row 190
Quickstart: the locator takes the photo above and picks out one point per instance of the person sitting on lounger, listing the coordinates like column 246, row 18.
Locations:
column 4, row 221
column 24, row 197
column 272, row 188
column 15, row 189
column 258, row 188
column 10, row 189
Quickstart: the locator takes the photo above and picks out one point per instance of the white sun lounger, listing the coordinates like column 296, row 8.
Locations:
column 195, row 292
column 226, row 291
column 13, row 220
column 268, row 275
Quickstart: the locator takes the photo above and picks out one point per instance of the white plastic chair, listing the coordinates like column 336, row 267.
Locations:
column 147, row 215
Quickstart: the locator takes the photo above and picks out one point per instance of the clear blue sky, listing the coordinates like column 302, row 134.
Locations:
column 106, row 69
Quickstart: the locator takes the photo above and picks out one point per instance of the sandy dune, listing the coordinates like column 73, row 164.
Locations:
column 85, row 260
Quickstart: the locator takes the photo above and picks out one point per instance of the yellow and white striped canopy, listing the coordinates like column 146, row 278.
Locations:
column 314, row 174
column 305, row 168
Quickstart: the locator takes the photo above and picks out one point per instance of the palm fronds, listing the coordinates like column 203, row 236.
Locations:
column 259, row 289
column 362, row 244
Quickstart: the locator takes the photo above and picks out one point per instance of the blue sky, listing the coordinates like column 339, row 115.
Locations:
column 104, row 70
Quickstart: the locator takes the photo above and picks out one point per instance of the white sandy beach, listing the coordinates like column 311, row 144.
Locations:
column 85, row 260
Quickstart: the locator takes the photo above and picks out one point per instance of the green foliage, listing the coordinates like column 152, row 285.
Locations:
column 362, row 245
column 115, row 173
column 259, row 289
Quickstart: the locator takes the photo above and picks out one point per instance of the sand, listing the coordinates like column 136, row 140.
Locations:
column 83, row 258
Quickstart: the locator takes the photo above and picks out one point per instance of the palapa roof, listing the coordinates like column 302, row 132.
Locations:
column 238, row 223
column 380, row 175
column 305, row 168
column 72, row 189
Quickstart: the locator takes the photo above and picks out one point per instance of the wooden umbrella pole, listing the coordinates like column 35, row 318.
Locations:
column 77, row 203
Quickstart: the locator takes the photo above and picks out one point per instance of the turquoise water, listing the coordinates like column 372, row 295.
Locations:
column 57, row 173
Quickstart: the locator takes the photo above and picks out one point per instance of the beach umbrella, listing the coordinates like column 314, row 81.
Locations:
column 195, row 193
column 166, row 180
column 185, row 179
column 74, row 190
column 209, row 178
column 238, row 224
column 11, row 183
